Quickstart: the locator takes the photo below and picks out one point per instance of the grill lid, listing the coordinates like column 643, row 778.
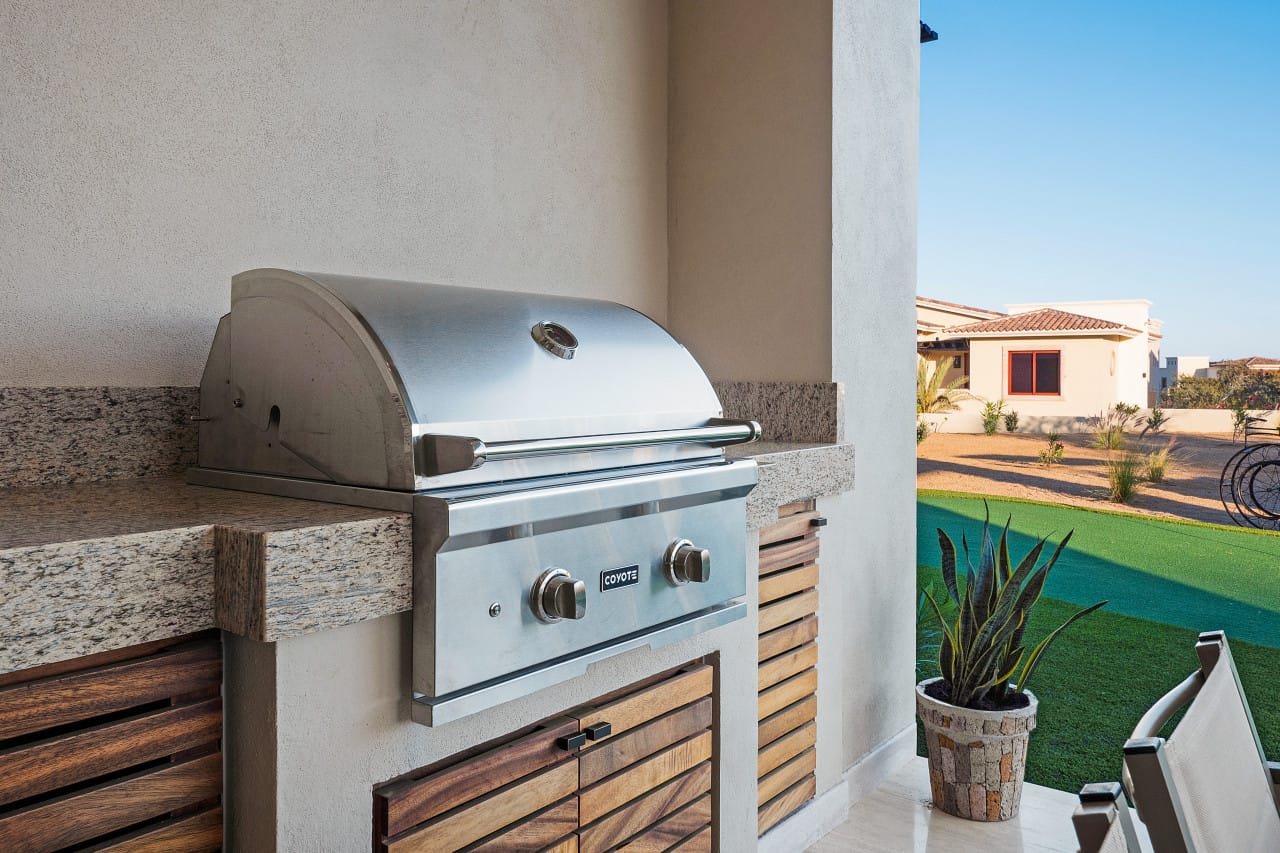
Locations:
column 401, row 385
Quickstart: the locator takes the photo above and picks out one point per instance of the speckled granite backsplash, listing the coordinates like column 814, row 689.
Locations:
column 85, row 435
column 788, row 411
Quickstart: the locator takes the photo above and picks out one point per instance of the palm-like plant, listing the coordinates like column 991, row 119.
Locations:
column 932, row 395
column 982, row 649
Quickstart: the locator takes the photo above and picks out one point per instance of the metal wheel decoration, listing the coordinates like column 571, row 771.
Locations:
column 1250, row 486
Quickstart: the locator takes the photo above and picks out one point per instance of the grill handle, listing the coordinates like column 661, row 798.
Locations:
column 448, row 454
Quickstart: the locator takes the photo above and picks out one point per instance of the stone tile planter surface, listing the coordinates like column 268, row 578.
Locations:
column 976, row 758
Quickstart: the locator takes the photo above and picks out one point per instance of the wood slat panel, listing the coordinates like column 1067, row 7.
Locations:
column 644, row 705
column 544, row 829
column 792, row 690
column 568, row 845
column 785, row 748
column 113, row 806
column 673, row 829
column 791, row 527
column 488, row 814
column 786, row 610
column 795, row 507
column 785, row 804
column 788, row 719
column 699, row 842
column 603, row 797
column 69, row 698
column 646, row 810
column 786, row 665
column 198, row 833
column 598, row 762
column 405, row 804
column 47, row 670
column 787, row 637
column 788, row 774
column 784, row 555
column 65, row 760
column 788, row 582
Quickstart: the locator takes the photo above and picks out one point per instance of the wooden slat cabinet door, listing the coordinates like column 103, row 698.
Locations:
column 521, row 794
column 631, row 770
column 788, row 659
column 646, row 768
column 119, row 751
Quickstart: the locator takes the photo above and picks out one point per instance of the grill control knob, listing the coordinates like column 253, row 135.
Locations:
column 556, row 595
column 685, row 562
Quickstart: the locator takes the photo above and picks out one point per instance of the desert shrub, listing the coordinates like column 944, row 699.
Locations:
column 991, row 415
column 1158, row 463
column 1193, row 392
column 1156, row 421
column 1052, row 454
column 1241, row 421
column 933, row 395
column 922, row 430
column 1011, row 422
column 1241, row 386
column 1124, row 472
column 1236, row 385
column 1110, row 425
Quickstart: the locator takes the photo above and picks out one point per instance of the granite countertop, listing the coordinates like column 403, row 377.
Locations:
column 92, row 567
column 793, row 471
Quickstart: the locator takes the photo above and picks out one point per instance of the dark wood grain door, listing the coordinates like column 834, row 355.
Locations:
column 630, row 771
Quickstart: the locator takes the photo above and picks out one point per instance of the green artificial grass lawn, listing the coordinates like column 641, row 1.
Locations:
column 1166, row 582
column 1200, row 577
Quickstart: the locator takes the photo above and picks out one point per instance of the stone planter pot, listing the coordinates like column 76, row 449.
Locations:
column 976, row 758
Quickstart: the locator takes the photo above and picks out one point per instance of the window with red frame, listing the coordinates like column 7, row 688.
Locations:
column 1035, row 372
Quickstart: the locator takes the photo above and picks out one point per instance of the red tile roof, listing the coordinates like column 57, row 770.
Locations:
column 1041, row 320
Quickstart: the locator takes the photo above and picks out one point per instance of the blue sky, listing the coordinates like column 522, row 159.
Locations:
column 1107, row 150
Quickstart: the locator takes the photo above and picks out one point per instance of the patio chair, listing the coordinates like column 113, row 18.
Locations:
column 1102, row 820
column 1207, row 787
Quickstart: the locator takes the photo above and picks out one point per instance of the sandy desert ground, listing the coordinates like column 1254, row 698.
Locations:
column 1007, row 464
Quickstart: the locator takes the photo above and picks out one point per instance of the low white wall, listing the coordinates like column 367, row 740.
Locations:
column 968, row 419
column 1207, row 420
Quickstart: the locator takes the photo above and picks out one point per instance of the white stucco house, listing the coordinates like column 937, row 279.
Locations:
column 1056, row 364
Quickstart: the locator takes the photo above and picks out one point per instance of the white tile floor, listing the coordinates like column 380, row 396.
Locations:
column 899, row 818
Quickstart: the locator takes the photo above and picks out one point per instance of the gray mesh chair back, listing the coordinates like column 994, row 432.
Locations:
column 1102, row 820
column 1208, row 787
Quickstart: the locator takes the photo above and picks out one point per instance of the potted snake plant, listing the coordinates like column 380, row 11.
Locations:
column 978, row 715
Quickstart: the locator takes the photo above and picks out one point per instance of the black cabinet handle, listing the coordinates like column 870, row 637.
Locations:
column 571, row 742
column 595, row 731
column 818, row 522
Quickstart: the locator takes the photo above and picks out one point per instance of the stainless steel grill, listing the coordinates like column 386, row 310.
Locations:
column 562, row 459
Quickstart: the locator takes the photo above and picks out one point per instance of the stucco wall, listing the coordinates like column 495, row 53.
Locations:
column 750, row 187
column 875, row 100
column 152, row 149
column 1088, row 375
